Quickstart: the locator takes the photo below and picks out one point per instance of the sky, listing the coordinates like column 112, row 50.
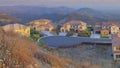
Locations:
column 109, row 4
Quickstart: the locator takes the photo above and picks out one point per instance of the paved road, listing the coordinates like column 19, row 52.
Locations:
column 55, row 41
column 47, row 33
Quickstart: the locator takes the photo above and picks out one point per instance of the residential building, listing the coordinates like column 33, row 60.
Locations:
column 102, row 26
column 116, row 46
column 74, row 26
column 42, row 25
column 105, row 33
column 106, row 28
column 18, row 28
column 114, row 28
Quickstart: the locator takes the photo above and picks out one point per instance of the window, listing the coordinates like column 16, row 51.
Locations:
column 97, row 26
column 108, row 27
column 113, row 28
column 105, row 33
column 117, row 48
column 80, row 27
column 103, row 27
column 117, row 56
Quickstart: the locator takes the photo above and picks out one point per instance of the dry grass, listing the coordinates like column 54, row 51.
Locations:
column 26, row 54
column 89, row 55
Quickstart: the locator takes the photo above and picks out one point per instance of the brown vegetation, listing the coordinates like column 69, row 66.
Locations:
column 89, row 56
column 17, row 52
column 5, row 19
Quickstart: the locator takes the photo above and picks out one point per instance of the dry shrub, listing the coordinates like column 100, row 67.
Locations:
column 88, row 65
column 52, row 60
column 16, row 52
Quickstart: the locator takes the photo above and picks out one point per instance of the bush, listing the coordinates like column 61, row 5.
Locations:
column 57, row 30
column 70, row 33
column 90, row 28
column 41, row 42
column 104, row 36
column 35, row 35
column 85, row 33
column 16, row 52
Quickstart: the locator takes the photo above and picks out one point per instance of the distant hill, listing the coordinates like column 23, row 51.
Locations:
column 5, row 19
column 55, row 17
column 29, row 13
column 58, row 14
column 85, row 18
column 97, row 14
column 91, row 12
column 34, row 10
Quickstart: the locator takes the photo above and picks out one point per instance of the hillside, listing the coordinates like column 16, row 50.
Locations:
column 63, row 18
column 58, row 14
column 85, row 18
column 5, row 19
column 99, row 55
column 19, row 52
column 91, row 12
column 98, row 14
column 34, row 10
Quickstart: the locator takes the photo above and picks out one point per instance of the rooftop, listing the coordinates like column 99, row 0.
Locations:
column 14, row 26
column 75, row 22
column 108, row 23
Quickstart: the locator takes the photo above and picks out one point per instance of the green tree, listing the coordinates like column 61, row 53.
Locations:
column 41, row 42
column 70, row 33
column 58, row 29
column 85, row 33
column 35, row 35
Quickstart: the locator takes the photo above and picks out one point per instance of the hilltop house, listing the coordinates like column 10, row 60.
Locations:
column 106, row 28
column 74, row 26
column 101, row 26
column 114, row 28
column 18, row 28
column 42, row 25
column 116, row 46
column 105, row 33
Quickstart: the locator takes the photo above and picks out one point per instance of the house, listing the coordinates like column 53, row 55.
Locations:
column 97, row 28
column 101, row 26
column 42, row 25
column 105, row 33
column 106, row 28
column 114, row 28
column 74, row 26
column 116, row 46
column 18, row 28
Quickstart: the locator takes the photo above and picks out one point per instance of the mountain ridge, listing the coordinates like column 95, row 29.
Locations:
column 56, row 14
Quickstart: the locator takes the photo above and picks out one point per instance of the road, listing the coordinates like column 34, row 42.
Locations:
column 47, row 33
column 56, row 41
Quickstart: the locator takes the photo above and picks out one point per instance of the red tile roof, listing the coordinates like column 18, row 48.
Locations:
column 116, row 51
column 75, row 22
column 97, row 28
column 14, row 26
column 105, row 24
